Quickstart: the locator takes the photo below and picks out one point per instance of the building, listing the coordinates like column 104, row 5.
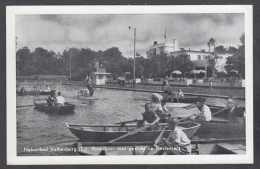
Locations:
column 159, row 48
column 199, row 58
column 100, row 76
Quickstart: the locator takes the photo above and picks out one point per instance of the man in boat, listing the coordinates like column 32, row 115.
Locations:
column 233, row 112
column 83, row 92
column 177, row 142
column 35, row 89
column 166, row 89
column 204, row 112
column 179, row 95
column 90, row 85
column 59, row 100
column 158, row 107
column 22, row 91
column 52, row 98
column 149, row 118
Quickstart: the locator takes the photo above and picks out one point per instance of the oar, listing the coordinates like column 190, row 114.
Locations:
column 148, row 150
column 219, row 111
column 129, row 133
column 129, row 121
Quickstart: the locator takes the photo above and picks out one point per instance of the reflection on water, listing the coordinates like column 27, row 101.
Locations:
column 40, row 129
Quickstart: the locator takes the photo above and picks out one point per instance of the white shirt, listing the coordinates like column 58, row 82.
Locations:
column 205, row 112
column 178, row 136
column 60, row 100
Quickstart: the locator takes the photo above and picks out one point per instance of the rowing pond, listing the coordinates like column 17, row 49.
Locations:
column 44, row 134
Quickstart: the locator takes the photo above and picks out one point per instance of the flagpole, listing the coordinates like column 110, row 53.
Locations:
column 165, row 36
column 134, row 50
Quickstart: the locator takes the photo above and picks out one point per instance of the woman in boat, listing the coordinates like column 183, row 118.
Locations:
column 149, row 118
column 52, row 98
column 59, row 100
column 158, row 107
column 177, row 143
column 204, row 112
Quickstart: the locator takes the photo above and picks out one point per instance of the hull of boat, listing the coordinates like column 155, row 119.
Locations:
column 91, row 133
column 67, row 108
column 199, row 147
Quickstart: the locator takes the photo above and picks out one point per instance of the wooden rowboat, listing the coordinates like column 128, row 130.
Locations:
column 26, row 93
column 199, row 147
column 221, row 126
column 67, row 108
column 103, row 133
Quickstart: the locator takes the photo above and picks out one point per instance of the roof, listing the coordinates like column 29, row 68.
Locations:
column 194, row 51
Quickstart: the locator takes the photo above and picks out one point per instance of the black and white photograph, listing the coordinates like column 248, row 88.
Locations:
column 129, row 84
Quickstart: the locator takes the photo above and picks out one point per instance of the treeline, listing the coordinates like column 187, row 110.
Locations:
column 44, row 62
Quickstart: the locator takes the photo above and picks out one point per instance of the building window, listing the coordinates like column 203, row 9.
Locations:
column 199, row 57
column 100, row 76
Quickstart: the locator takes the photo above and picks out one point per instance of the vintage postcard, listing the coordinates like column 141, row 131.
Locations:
column 129, row 84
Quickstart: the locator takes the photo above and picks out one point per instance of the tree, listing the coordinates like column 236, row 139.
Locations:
column 211, row 42
column 220, row 49
column 237, row 61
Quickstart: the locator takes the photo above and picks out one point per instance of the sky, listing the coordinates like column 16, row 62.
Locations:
column 100, row 32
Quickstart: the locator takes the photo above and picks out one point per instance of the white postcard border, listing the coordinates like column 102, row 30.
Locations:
column 13, row 159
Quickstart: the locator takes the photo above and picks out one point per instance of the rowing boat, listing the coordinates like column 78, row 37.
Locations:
column 221, row 126
column 188, row 99
column 67, row 108
column 103, row 133
column 26, row 93
column 199, row 147
column 87, row 98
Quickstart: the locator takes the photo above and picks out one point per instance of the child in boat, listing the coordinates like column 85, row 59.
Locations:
column 59, row 100
column 177, row 142
column 149, row 118
column 52, row 98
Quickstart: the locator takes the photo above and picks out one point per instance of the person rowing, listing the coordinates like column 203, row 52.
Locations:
column 150, row 118
column 166, row 89
column 203, row 113
column 177, row 142
column 90, row 85
column 59, row 100
column 156, row 105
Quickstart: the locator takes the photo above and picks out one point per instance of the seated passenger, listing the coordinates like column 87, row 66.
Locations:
column 35, row 89
column 60, row 100
column 84, row 93
column 157, row 107
column 177, row 142
column 51, row 99
column 22, row 91
column 204, row 113
column 149, row 118
column 179, row 95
